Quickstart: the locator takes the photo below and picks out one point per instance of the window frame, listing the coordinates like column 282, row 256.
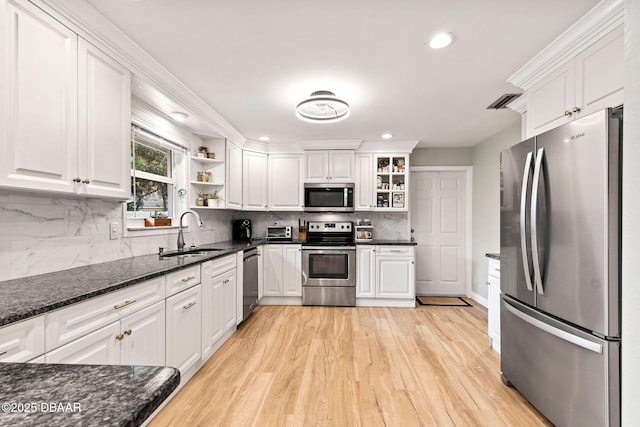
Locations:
column 179, row 171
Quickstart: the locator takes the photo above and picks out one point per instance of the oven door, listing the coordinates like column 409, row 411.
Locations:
column 329, row 266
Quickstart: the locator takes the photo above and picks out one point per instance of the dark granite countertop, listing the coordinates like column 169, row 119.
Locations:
column 30, row 296
column 82, row 395
column 388, row 242
column 493, row 255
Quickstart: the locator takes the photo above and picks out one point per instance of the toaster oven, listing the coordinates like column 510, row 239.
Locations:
column 279, row 232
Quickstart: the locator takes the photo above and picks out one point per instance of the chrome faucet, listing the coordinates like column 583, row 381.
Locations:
column 180, row 236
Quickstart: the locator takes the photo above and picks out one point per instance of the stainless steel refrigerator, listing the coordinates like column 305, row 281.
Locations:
column 560, row 265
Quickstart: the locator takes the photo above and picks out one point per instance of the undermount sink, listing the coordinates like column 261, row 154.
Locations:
column 190, row 253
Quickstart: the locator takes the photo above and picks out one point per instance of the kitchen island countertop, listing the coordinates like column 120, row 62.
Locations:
column 82, row 395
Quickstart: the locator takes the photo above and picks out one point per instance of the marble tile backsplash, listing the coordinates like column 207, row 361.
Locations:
column 40, row 234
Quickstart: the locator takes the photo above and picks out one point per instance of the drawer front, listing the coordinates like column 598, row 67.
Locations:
column 222, row 265
column 494, row 268
column 22, row 341
column 75, row 321
column 182, row 279
column 394, row 250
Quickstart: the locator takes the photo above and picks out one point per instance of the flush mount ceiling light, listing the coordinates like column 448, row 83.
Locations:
column 323, row 106
column 264, row 138
column 387, row 136
column 179, row 116
column 441, row 40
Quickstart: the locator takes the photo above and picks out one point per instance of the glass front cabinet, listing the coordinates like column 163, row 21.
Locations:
column 391, row 182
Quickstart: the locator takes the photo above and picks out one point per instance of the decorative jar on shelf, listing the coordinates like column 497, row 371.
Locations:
column 213, row 203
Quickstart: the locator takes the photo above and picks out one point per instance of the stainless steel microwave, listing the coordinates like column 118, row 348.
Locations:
column 328, row 197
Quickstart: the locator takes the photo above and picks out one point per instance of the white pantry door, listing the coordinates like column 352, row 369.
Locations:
column 438, row 212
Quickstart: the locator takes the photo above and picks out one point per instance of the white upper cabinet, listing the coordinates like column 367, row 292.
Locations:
column 285, row 182
column 254, row 181
column 104, row 124
column 329, row 166
column 363, row 199
column 589, row 82
column 234, row 176
column 66, row 116
column 40, row 113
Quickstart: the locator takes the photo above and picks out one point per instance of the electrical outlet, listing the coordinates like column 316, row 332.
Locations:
column 114, row 230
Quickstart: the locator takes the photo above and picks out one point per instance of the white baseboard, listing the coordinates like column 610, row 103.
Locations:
column 479, row 299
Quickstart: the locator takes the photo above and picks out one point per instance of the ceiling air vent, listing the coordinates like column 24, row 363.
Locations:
column 503, row 101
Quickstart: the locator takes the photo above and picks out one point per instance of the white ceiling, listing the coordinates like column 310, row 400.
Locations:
column 253, row 61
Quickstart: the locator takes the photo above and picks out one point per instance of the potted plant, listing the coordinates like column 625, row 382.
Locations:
column 160, row 219
column 203, row 151
column 214, row 199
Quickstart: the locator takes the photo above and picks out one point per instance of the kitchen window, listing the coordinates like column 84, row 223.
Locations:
column 157, row 175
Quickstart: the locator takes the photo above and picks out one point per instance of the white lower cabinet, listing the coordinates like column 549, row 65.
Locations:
column 386, row 276
column 100, row 347
column 218, row 302
column 282, row 270
column 22, row 341
column 143, row 340
column 184, row 323
column 493, row 284
column 366, row 274
column 137, row 339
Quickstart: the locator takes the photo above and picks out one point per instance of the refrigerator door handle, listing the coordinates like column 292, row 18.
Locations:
column 566, row 336
column 523, row 220
column 534, row 221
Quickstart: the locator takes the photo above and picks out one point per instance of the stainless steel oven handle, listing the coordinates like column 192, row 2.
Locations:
column 328, row 248
column 304, row 279
column 534, row 222
column 523, row 220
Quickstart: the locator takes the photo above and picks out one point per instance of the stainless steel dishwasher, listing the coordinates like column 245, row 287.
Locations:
column 249, row 281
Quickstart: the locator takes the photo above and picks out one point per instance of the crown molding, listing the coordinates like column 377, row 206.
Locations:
column 519, row 104
column 603, row 18
column 333, row 144
column 91, row 25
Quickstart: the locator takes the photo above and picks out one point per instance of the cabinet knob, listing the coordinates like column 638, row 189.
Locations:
column 576, row 109
column 120, row 337
column 86, row 181
column 127, row 332
column 568, row 113
column 77, row 179
column 413, row 230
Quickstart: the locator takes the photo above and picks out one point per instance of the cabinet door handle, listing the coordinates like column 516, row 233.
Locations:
column 3, row 352
column 186, row 279
column 86, row 181
column 127, row 332
column 576, row 109
column 124, row 304
column 77, row 179
column 568, row 113
column 188, row 306
column 119, row 337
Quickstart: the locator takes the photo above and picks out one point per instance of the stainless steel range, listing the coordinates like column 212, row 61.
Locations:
column 329, row 264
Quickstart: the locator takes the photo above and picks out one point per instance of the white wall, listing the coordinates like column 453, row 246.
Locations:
column 630, row 219
column 486, row 202
column 441, row 157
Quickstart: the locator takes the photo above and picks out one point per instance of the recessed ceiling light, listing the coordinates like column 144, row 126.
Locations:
column 264, row 138
column 179, row 116
column 387, row 136
column 441, row 40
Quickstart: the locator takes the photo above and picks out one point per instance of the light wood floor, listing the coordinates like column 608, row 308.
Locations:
column 328, row 366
